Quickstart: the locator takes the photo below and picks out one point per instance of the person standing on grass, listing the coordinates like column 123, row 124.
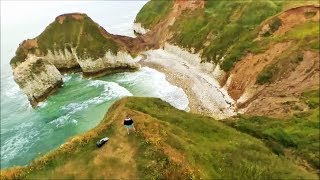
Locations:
column 128, row 123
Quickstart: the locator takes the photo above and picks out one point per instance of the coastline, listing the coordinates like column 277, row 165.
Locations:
column 205, row 95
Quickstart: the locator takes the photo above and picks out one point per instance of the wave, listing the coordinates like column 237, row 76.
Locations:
column 157, row 86
column 111, row 90
column 23, row 138
column 66, row 78
column 63, row 120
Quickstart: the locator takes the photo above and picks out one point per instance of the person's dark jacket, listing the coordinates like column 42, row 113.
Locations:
column 128, row 122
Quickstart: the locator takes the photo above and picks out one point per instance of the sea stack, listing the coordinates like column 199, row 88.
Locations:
column 72, row 41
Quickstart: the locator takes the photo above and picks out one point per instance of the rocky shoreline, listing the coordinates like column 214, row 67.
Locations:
column 204, row 92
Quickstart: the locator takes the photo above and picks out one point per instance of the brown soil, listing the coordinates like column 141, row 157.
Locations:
column 61, row 19
column 246, row 71
column 293, row 17
column 30, row 43
column 277, row 99
column 76, row 16
column 157, row 36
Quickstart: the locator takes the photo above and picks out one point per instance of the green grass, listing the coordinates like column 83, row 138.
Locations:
column 228, row 28
column 266, row 75
column 153, row 12
column 169, row 143
column 311, row 98
column 153, row 163
column 304, row 37
column 92, row 42
column 214, row 149
column 19, row 57
column 59, row 36
column 308, row 29
column 83, row 33
column 299, row 133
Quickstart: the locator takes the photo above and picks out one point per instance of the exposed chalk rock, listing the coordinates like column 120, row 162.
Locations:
column 62, row 58
column 37, row 78
column 72, row 41
column 137, row 27
column 208, row 92
column 195, row 60
column 109, row 61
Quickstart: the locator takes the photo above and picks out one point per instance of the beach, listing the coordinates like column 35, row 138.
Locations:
column 205, row 95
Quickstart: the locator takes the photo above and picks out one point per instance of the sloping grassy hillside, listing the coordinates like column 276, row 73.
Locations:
column 299, row 134
column 168, row 144
column 66, row 32
column 226, row 28
column 223, row 28
column 153, row 12
column 305, row 37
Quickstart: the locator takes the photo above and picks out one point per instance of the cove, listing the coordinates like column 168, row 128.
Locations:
column 80, row 104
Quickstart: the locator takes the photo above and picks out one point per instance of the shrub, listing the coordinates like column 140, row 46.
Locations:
column 266, row 75
column 310, row 14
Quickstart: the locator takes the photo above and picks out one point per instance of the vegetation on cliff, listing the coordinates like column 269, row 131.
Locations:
column 175, row 144
column 305, row 37
column 69, row 31
column 225, row 31
column 153, row 12
column 295, row 136
column 169, row 143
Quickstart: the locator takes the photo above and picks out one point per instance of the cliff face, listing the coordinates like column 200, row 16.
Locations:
column 37, row 78
column 251, row 45
column 72, row 41
column 245, row 51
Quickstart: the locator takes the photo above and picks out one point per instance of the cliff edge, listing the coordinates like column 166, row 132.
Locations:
column 72, row 42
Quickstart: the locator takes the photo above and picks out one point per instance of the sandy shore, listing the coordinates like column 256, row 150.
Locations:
column 204, row 92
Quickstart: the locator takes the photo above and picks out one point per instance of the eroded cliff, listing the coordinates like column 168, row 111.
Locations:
column 246, row 52
column 251, row 46
column 72, row 41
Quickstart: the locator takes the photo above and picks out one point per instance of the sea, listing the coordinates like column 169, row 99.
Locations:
column 26, row 132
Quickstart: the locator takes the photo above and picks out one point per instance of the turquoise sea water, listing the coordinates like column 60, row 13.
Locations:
column 80, row 104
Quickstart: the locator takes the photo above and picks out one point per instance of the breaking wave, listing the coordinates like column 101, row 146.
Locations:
column 154, row 84
column 111, row 90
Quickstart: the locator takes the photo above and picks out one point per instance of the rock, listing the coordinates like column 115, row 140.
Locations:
column 72, row 41
column 37, row 78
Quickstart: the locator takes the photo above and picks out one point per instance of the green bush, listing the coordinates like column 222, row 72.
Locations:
column 266, row 75
column 274, row 25
column 310, row 14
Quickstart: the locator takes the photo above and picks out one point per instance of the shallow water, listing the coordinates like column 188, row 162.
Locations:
column 81, row 103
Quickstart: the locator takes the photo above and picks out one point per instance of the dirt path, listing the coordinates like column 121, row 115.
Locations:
column 114, row 160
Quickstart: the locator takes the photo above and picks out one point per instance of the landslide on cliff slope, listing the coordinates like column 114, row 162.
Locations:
column 268, row 50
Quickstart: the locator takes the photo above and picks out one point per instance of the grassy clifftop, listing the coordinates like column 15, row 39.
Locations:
column 298, row 135
column 153, row 12
column 168, row 144
column 227, row 29
column 66, row 32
